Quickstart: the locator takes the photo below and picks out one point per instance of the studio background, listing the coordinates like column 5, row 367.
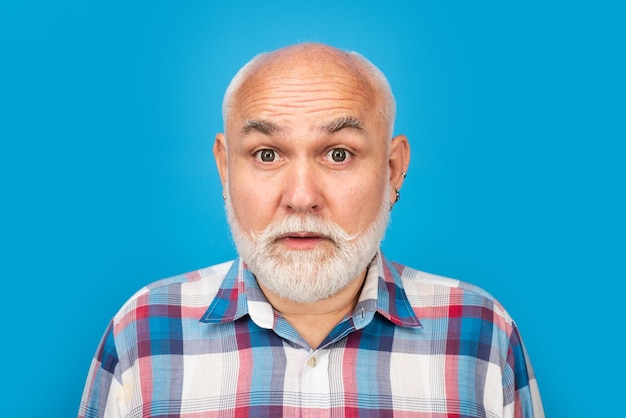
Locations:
column 515, row 113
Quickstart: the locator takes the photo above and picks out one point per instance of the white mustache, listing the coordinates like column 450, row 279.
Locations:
column 308, row 224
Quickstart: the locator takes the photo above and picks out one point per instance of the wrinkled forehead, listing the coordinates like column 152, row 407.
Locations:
column 291, row 79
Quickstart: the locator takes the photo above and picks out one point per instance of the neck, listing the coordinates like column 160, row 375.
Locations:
column 314, row 321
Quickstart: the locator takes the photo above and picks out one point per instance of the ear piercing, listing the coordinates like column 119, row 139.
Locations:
column 397, row 192
column 397, row 189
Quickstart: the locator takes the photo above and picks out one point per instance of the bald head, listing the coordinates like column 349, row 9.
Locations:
column 318, row 61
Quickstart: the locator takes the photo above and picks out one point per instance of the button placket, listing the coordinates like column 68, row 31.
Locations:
column 315, row 380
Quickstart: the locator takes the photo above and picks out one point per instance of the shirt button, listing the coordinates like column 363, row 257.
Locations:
column 311, row 362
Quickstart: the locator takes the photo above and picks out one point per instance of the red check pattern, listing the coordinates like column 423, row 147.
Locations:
column 208, row 344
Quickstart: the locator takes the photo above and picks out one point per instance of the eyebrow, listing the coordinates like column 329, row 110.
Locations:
column 345, row 122
column 262, row 126
column 269, row 128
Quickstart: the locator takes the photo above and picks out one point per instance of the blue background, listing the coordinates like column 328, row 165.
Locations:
column 515, row 113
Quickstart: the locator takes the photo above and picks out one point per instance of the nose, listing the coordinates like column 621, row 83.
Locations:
column 302, row 192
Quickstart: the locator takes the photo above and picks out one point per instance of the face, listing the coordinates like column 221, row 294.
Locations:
column 306, row 165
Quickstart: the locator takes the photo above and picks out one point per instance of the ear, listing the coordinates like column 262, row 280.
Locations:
column 399, row 157
column 219, row 152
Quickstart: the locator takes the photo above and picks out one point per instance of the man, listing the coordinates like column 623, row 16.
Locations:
column 312, row 320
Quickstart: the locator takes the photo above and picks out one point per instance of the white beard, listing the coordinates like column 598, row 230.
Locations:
column 311, row 275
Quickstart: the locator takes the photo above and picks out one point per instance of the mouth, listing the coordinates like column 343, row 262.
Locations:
column 301, row 240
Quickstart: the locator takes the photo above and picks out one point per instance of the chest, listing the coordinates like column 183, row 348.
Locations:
column 368, row 373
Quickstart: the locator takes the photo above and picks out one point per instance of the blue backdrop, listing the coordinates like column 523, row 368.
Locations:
column 515, row 113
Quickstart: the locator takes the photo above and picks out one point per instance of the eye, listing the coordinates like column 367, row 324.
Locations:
column 339, row 155
column 266, row 155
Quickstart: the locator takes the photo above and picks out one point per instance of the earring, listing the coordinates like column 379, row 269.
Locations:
column 397, row 198
column 404, row 175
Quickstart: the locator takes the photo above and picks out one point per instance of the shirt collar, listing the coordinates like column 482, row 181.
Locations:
column 383, row 293
column 239, row 295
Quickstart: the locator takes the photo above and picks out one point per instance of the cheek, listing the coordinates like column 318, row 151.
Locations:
column 357, row 207
column 252, row 200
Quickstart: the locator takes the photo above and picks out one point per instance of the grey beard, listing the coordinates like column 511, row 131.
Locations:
column 308, row 276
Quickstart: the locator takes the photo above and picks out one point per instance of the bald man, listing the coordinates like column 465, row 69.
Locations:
column 311, row 319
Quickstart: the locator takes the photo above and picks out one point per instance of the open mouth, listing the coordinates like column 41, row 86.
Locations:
column 302, row 240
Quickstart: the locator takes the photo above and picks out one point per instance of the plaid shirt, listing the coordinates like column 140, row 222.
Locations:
column 416, row 345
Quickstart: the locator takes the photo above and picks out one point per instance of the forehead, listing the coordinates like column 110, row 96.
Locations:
column 305, row 87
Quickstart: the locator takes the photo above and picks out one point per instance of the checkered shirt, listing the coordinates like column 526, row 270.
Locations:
column 208, row 344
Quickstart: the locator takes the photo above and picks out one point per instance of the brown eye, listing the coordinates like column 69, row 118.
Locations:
column 339, row 155
column 266, row 155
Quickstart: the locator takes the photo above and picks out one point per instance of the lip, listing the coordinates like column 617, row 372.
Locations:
column 301, row 240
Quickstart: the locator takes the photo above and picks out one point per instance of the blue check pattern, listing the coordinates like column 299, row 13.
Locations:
column 208, row 344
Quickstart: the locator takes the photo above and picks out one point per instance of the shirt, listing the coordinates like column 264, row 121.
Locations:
column 208, row 344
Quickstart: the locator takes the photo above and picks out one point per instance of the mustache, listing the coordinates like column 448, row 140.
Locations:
column 298, row 224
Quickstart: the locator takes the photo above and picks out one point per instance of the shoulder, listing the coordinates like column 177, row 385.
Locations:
column 431, row 294
column 188, row 292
